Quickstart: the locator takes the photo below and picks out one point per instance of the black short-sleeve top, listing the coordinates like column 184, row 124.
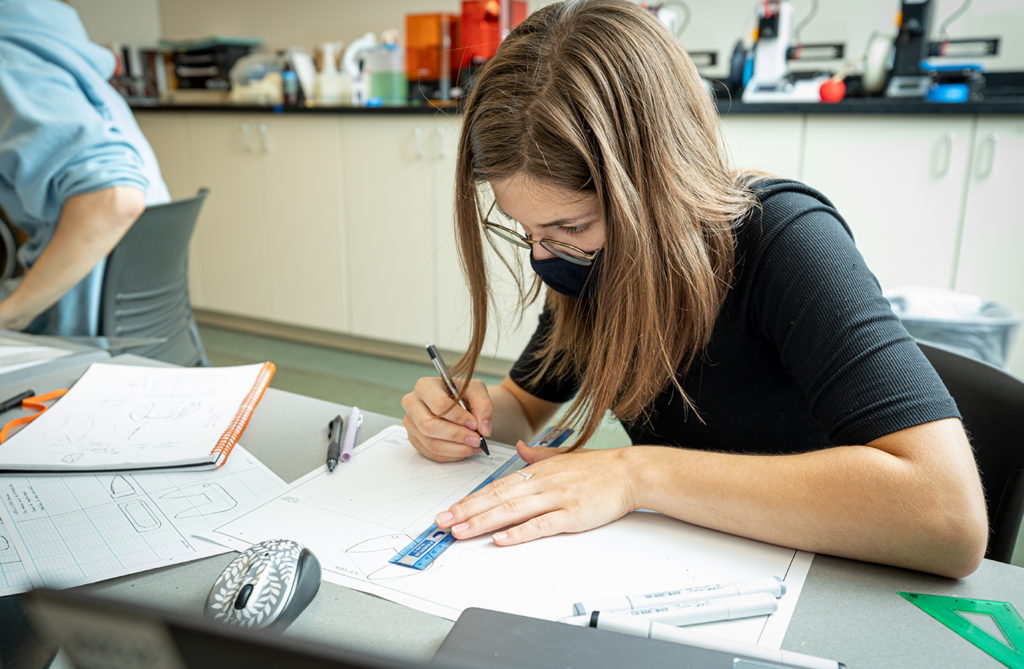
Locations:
column 806, row 352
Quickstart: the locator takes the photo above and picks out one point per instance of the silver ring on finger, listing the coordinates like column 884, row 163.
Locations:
column 525, row 475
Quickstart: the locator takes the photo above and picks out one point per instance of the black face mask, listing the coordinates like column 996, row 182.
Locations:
column 568, row 278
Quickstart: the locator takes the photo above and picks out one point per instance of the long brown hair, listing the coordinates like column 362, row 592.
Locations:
column 597, row 97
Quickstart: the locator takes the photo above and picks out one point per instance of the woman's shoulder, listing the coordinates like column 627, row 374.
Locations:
column 779, row 204
column 782, row 201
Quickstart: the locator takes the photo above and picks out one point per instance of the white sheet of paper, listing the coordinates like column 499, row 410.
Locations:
column 118, row 415
column 15, row 356
column 358, row 517
column 72, row 530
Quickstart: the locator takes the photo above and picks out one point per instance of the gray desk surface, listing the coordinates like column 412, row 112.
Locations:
column 848, row 610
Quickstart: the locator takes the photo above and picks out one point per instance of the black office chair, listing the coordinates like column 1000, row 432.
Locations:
column 991, row 402
column 145, row 284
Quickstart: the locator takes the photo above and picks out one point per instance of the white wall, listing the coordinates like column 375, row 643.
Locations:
column 716, row 24
column 125, row 21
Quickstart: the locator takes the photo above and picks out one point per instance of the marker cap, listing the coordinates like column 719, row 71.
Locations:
column 620, row 623
column 771, row 584
column 610, row 604
column 746, row 606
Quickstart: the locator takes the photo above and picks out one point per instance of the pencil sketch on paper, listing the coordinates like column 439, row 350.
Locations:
column 7, row 553
column 203, row 499
column 373, row 556
column 163, row 411
column 140, row 515
column 72, row 429
column 121, row 487
column 72, row 458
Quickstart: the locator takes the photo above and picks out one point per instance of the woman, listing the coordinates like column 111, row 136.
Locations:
column 725, row 315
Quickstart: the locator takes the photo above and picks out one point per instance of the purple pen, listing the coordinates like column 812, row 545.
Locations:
column 355, row 419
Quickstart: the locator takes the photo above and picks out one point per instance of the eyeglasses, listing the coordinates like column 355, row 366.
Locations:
column 564, row 251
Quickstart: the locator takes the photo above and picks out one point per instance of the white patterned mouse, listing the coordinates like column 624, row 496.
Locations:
column 266, row 586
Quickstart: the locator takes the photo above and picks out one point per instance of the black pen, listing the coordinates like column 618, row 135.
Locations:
column 16, row 400
column 334, row 448
column 446, row 376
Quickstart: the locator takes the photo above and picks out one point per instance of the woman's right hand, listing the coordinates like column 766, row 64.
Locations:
column 451, row 436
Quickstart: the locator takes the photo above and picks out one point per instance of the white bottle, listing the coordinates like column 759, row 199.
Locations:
column 352, row 64
column 332, row 87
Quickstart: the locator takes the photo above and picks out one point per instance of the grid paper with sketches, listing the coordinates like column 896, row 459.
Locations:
column 61, row 531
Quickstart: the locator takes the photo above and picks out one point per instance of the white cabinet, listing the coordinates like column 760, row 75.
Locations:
column 993, row 233
column 304, row 221
column 271, row 233
column 897, row 181
column 232, row 234
column 772, row 144
column 391, row 231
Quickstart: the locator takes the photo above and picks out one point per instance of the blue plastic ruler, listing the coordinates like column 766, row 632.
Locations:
column 425, row 548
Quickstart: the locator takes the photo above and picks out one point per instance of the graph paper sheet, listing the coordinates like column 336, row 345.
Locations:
column 360, row 516
column 63, row 531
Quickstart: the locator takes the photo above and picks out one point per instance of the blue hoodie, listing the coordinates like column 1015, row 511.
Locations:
column 64, row 131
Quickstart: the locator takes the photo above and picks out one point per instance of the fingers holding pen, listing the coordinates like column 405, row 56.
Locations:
column 433, row 393
column 437, row 450
column 436, row 433
column 478, row 399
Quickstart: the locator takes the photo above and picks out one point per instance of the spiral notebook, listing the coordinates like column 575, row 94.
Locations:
column 119, row 418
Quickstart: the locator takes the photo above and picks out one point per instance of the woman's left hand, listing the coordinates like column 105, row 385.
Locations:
column 566, row 492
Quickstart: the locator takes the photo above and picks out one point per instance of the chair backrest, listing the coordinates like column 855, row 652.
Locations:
column 991, row 403
column 145, row 284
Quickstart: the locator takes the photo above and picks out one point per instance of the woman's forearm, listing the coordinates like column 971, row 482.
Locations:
column 89, row 228
column 920, row 508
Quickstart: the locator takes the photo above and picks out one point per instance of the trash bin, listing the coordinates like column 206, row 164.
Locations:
column 971, row 325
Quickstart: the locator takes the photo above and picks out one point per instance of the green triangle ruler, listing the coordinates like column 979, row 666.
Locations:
column 949, row 611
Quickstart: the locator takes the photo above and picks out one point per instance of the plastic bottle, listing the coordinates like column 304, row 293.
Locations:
column 387, row 67
column 290, row 85
column 332, row 87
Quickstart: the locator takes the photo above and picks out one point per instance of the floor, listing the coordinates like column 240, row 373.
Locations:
column 370, row 382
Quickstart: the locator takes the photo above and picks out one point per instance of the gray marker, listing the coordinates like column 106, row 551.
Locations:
column 771, row 584
column 635, row 626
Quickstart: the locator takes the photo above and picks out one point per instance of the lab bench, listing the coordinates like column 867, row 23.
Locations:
column 339, row 220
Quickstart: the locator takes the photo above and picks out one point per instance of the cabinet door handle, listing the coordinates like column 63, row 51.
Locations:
column 947, row 160
column 418, row 136
column 246, row 139
column 264, row 143
column 993, row 139
column 440, row 142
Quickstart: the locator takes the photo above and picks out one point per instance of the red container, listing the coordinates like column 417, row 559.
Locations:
column 481, row 29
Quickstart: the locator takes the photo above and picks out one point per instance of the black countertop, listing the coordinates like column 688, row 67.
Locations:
column 994, row 105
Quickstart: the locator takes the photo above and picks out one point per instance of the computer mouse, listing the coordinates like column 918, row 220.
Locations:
column 266, row 586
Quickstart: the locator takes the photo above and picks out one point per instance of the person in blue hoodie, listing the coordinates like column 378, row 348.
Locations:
column 75, row 170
